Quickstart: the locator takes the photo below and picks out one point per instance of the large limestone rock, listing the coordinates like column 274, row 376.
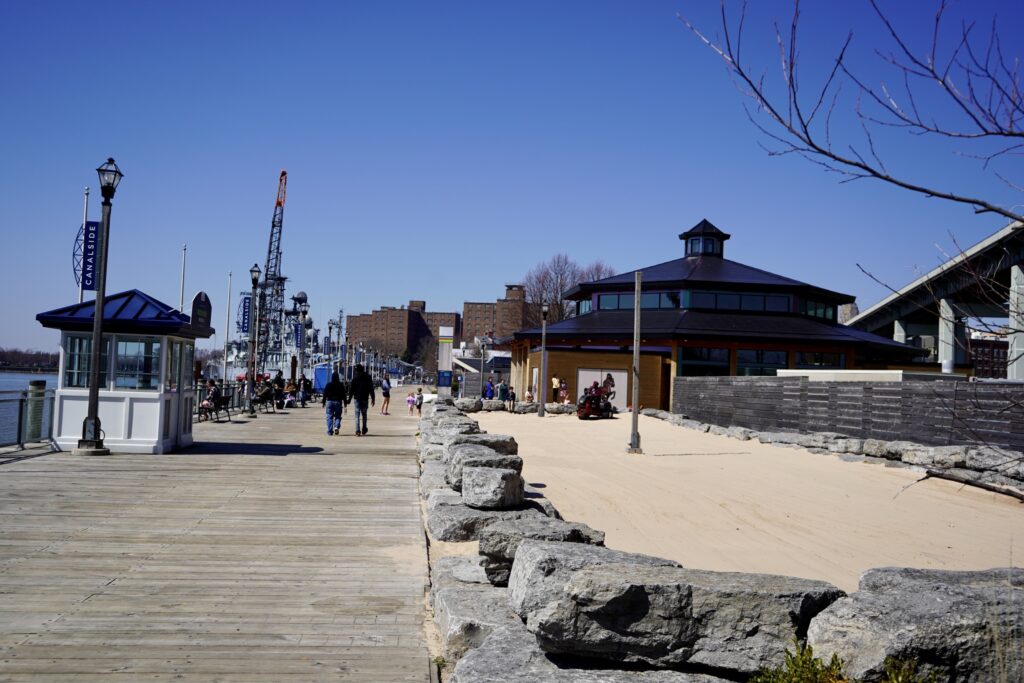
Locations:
column 464, row 458
column 466, row 614
column 443, row 496
column 891, row 579
column 560, row 408
column 542, row 568
column 465, row 449
column 535, row 498
column 1001, row 461
column 962, row 626
column 463, row 523
column 491, row 488
column 510, row 655
column 525, row 407
column 492, row 404
column 446, row 427
column 666, row 616
column 503, row 443
column 469, row 405
column 432, row 451
column 500, row 541
column 433, row 476
column 456, row 571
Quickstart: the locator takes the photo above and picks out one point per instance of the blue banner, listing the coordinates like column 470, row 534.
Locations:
column 90, row 255
column 297, row 330
column 246, row 312
column 444, row 378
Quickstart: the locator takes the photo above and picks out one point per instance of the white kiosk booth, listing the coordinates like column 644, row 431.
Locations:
column 147, row 392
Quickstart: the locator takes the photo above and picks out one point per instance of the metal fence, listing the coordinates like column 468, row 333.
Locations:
column 26, row 416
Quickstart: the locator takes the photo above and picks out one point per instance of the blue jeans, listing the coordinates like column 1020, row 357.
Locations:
column 360, row 412
column 333, row 416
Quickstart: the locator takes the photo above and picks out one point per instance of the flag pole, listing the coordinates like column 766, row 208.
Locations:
column 85, row 219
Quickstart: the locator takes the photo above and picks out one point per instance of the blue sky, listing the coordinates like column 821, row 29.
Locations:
column 435, row 150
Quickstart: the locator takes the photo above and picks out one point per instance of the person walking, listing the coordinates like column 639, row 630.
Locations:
column 555, row 384
column 489, row 389
column 419, row 401
column 305, row 389
column 334, row 398
column 385, row 392
column 410, row 401
column 361, row 391
column 502, row 391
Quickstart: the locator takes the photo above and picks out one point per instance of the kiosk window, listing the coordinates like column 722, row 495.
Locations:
column 138, row 364
column 77, row 354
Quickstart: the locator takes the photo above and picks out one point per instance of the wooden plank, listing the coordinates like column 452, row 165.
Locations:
column 268, row 553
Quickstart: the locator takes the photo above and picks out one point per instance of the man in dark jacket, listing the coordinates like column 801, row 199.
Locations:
column 361, row 391
column 334, row 398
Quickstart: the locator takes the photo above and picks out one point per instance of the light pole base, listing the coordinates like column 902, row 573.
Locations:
column 90, row 448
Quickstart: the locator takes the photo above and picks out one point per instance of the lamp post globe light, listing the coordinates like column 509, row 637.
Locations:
column 254, row 273
column 542, row 389
column 91, row 442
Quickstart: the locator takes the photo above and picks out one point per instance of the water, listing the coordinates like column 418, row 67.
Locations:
column 18, row 381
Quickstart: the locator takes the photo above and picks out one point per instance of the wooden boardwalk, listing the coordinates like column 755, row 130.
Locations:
column 270, row 552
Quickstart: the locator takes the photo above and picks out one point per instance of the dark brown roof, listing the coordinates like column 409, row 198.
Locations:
column 683, row 324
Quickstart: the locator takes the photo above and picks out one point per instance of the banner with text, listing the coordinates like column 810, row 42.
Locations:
column 90, row 255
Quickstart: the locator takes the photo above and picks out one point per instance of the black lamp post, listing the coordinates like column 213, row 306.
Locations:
column 254, row 273
column 303, row 311
column 91, row 442
column 542, row 389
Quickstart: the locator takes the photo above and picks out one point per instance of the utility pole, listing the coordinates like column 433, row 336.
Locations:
column 227, row 333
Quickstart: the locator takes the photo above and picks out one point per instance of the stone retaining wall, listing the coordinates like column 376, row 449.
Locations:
column 546, row 602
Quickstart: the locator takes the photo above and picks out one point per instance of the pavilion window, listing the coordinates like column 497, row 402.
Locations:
column 607, row 302
column 626, row 301
column 820, row 360
column 752, row 302
column 77, row 355
column 697, row 361
column 728, row 302
column 650, row 300
column 173, row 367
column 709, row 245
column 138, row 364
column 669, row 300
column 759, row 362
column 694, row 247
column 776, row 304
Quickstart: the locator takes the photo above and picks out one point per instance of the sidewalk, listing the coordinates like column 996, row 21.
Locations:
column 268, row 552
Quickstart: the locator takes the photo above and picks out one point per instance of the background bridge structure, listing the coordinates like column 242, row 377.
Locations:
column 971, row 292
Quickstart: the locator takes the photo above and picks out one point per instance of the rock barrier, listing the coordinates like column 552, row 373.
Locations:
column 544, row 601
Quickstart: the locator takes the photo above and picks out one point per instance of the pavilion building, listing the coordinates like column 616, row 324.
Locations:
column 701, row 314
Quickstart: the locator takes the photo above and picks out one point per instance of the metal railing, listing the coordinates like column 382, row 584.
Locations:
column 26, row 416
column 235, row 391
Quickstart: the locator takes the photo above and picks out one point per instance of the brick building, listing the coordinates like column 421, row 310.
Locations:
column 394, row 330
column 503, row 318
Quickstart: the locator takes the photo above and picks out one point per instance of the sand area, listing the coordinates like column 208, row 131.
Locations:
column 713, row 502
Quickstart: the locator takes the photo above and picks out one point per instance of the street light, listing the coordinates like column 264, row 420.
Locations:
column 543, row 359
column 91, row 442
column 254, row 273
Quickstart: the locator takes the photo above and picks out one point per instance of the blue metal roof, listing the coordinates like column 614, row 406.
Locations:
column 127, row 312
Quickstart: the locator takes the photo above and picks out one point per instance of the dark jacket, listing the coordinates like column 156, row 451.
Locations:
column 334, row 391
column 362, row 388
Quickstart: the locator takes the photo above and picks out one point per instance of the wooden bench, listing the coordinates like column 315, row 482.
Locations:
column 221, row 403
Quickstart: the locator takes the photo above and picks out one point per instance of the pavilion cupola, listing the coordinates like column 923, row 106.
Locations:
column 704, row 239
